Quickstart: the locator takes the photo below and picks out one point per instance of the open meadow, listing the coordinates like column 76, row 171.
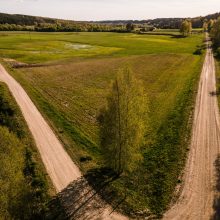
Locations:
column 72, row 78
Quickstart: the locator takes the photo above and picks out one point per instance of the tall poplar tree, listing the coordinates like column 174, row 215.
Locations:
column 124, row 123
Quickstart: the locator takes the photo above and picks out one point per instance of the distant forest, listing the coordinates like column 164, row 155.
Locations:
column 16, row 22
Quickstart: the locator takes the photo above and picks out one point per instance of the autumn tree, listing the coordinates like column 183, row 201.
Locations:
column 186, row 28
column 124, row 123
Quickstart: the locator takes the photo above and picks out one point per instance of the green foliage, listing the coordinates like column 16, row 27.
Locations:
column 8, row 114
column 215, row 33
column 130, row 27
column 186, row 28
column 12, row 181
column 210, row 25
column 24, row 191
column 124, row 123
column 35, row 180
column 205, row 26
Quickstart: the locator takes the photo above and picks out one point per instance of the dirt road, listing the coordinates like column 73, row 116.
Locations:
column 199, row 191
column 58, row 164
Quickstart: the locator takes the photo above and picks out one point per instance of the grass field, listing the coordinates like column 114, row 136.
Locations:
column 35, row 47
column 71, row 91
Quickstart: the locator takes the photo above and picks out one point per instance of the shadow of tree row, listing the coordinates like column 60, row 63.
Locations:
column 85, row 198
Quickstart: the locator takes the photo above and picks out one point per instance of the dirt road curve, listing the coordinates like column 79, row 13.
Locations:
column 197, row 198
column 59, row 165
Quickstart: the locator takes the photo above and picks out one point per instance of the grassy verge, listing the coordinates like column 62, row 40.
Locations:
column 217, row 66
column 25, row 187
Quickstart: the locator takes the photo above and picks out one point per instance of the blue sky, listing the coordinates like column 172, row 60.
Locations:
column 110, row 9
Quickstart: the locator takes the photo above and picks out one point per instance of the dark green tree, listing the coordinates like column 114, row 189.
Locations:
column 129, row 27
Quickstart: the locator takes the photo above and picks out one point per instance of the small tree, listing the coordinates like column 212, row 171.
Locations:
column 210, row 25
column 129, row 27
column 205, row 26
column 186, row 28
column 123, row 123
column 215, row 33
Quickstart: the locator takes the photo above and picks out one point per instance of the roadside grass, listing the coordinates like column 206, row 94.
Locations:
column 24, row 182
column 217, row 66
column 71, row 93
column 45, row 47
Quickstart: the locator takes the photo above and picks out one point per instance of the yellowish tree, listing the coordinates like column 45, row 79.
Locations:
column 205, row 26
column 210, row 25
column 124, row 123
column 186, row 28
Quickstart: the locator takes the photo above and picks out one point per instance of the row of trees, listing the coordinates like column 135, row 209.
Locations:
column 76, row 27
column 208, row 25
column 47, row 27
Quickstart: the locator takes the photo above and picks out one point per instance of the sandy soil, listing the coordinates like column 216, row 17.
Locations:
column 198, row 196
column 58, row 164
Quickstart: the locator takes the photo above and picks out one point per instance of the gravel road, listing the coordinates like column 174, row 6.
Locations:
column 198, row 196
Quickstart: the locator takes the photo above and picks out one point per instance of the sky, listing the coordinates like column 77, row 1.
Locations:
column 87, row 10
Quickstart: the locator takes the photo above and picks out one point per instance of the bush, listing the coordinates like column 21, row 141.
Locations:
column 23, row 193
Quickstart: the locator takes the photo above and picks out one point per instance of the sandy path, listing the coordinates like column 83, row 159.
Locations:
column 198, row 194
column 58, row 164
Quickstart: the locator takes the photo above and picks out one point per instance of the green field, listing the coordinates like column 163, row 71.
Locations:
column 71, row 91
column 35, row 47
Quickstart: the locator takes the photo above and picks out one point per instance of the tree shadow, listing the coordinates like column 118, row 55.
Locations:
column 85, row 198
column 214, row 93
column 178, row 36
column 216, row 203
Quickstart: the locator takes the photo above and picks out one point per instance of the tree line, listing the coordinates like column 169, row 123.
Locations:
column 33, row 23
column 63, row 27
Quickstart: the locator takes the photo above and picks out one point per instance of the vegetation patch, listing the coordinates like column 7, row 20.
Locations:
column 24, row 185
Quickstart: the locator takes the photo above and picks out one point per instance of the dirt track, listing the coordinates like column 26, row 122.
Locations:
column 58, row 164
column 199, row 191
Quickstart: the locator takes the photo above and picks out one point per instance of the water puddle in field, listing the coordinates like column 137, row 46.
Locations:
column 79, row 46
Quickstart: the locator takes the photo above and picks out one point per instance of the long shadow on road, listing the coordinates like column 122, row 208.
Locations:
column 85, row 198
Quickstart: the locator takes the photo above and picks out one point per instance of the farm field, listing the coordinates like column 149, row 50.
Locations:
column 43, row 47
column 71, row 87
